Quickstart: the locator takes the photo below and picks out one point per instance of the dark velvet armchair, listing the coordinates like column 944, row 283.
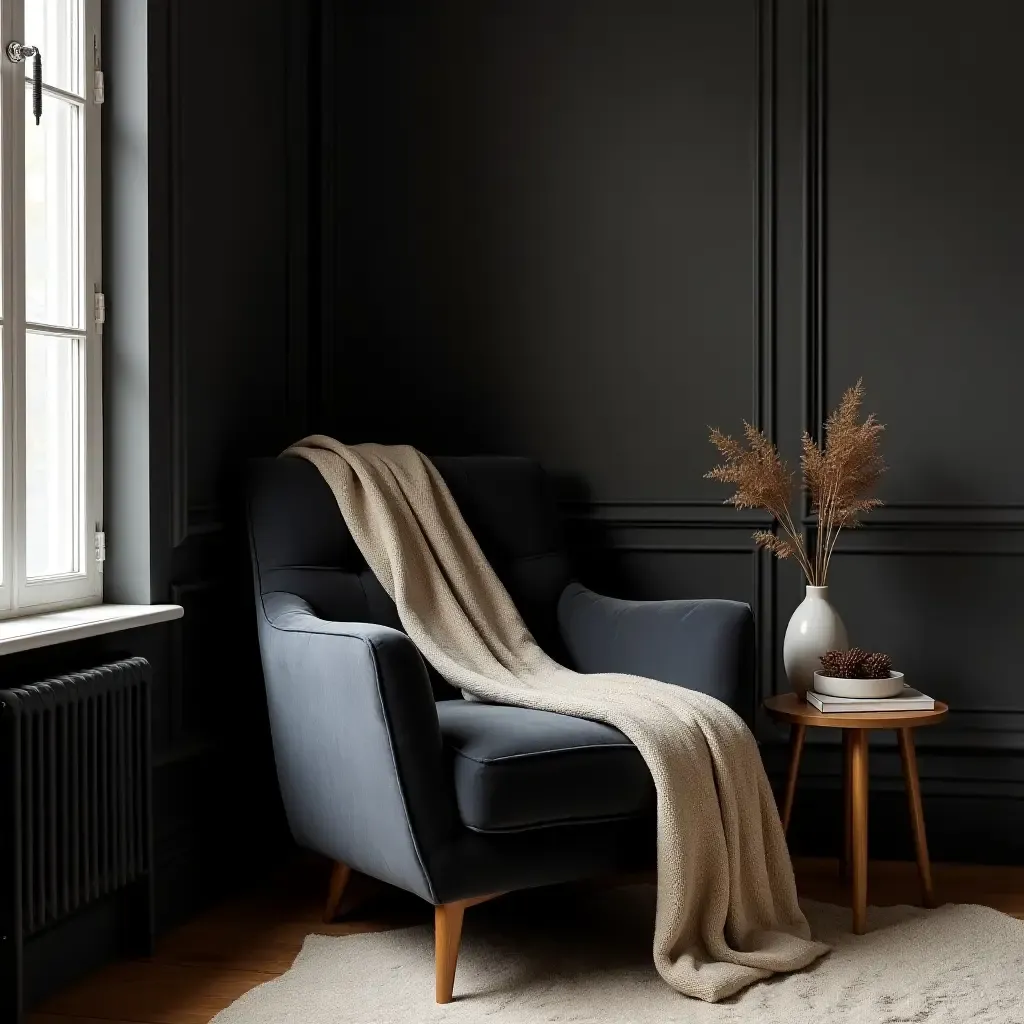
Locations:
column 387, row 771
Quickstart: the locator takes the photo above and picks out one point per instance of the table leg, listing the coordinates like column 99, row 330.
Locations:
column 796, row 747
column 859, row 823
column 846, row 857
column 924, row 868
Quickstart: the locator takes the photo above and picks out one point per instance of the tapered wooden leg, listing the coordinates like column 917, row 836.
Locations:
column 924, row 868
column 796, row 748
column 340, row 875
column 859, row 823
column 447, row 936
column 845, row 860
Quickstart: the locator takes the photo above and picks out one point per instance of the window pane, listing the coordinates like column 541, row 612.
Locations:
column 53, row 454
column 55, row 26
column 53, row 212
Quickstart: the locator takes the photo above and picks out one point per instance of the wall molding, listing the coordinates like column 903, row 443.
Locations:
column 330, row 334
column 912, row 529
column 682, row 549
column 181, row 739
column 815, row 287
column 682, row 515
column 188, row 518
column 815, row 309
column 940, row 552
column 614, row 515
column 201, row 520
column 192, row 517
column 652, row 503
column 764, row 233
column 765, row 584
column 301, row 66
column 981, row 523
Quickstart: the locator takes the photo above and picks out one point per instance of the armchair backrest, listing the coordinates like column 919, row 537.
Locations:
column 300, row 544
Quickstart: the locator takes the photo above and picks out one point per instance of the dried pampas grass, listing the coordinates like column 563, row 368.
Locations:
column 839, row 478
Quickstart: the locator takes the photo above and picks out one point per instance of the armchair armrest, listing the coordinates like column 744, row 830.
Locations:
column 357, row 742
column 703, row 645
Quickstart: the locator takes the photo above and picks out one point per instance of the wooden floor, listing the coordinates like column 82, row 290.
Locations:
column 205, row 965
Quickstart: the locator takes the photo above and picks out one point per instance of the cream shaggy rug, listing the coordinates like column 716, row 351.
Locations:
column 585, row 957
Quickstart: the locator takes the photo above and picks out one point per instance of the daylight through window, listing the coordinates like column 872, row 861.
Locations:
column 51, row 306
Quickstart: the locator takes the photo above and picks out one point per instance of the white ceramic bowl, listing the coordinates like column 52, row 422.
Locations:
column 866, row 688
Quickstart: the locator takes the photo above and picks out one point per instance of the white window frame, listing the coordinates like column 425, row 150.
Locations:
column 19, row 595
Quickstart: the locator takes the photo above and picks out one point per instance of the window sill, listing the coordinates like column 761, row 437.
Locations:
column 30, row 631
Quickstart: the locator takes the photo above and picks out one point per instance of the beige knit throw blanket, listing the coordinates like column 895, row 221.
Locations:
column 727, row 912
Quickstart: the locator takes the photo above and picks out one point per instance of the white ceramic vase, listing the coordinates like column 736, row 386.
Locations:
column 814, row 629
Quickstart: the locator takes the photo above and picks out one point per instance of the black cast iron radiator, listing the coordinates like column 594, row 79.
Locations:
column 75, row 823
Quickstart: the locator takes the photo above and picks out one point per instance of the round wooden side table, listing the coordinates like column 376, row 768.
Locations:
column 788, row 707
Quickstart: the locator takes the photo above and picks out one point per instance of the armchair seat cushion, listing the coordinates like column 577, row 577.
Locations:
column 517, row 769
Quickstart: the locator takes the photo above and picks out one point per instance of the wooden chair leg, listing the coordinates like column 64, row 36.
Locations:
column 796, row 747
column 924, row 868
column 340, row 875
column 447, row 937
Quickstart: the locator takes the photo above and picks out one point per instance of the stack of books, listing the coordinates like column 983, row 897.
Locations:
column 909, row 700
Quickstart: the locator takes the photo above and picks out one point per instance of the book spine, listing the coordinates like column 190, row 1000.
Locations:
column 876, row 708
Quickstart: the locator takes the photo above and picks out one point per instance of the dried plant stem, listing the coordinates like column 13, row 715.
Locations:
column 786, row 521
column 822, row 550
column 838, row 474
column 831, row 548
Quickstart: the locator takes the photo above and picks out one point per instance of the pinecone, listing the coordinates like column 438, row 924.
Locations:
column 877, row 666
column 830, row 663
column 851, row 664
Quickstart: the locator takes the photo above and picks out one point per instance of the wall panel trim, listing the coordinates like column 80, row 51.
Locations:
column 765, row 313
column 815, row 219
column 688, row 514
column 764, row 218
column 665, row 514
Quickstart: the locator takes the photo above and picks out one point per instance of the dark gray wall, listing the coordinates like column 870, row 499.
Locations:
column 585, row 230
